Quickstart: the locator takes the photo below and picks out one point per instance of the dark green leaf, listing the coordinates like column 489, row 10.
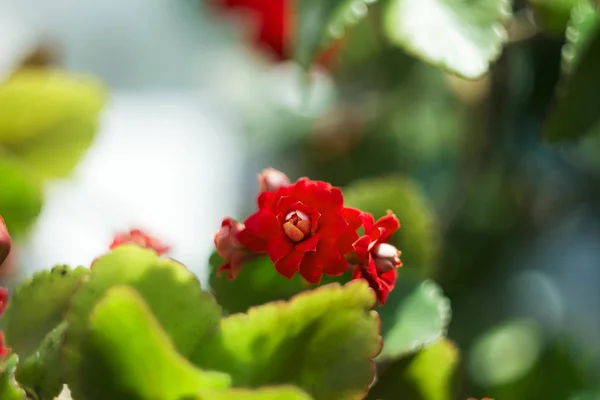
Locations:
column 577, row 105
column 322, row 341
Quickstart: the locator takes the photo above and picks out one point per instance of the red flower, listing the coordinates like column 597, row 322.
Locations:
column 4, row 241
column 136, row 236
column 230, row 249
column 377, row 260
column 274, row 24
column 3, row 302
column 305, row 228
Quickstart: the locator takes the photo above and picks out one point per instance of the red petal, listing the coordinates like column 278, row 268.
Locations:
column 367, row 221
column 336, row 198
column 352, row 217
column 389, row 224
column 332, row 225
column 279, row 246
column 3, row 300
column 262, row 223
column 330, row 259
column 289, row 265
column 361, row 247
column 249, row 240
column 309, row 244
column 267, row 200
column 310, row 269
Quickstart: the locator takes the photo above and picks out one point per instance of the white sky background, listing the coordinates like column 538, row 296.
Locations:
column 168, row 157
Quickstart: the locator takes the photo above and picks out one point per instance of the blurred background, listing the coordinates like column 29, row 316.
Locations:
column 507, row 224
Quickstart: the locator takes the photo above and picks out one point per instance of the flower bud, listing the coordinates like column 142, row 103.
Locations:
column 140, row 238
column 270, row 180
column 226, row 238
column 386, row 257
column 4, row 241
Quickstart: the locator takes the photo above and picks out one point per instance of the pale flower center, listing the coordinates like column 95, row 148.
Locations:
column 297, row 226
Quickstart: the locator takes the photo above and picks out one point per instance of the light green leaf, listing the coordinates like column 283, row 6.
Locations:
column 38, row 306
column 322, row 341
column 418, row 236
column 461, row 36
column 258, row 283
column 428, row 375
column 20, row 195
column 48, row 118
column 414, row 315
column 127, row 355
column 320, row 22
column 9, row 389
column 274, row 393
column 577, row 105
column 42, row 372
column 171, row 291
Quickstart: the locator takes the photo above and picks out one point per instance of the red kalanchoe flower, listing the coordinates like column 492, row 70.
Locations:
column 136, row 236
column 4, row 351
column 274, row 24
column 304, row 228
column 230, row 249
column 376, row 259
column 4, row 241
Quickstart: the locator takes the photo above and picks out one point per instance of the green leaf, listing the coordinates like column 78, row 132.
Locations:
column 428, row 375
column 127, row 355
column 172, row 292
column 66, row 110
column 38, row 306
column 461, row 36
column 418, row 236
column 553, row 15
column 577, row 105
column 322, row 341
column 43, row 372
column 320, row 22
column 9, row 389
column 414, row 315
column 258, row 283
column 274, row 393
column 20, row 196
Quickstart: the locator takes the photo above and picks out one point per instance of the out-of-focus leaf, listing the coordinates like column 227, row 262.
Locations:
column 553, row 15
column 461, row 37
column 20, row 196
column 414, row 315
column 322, row 341
column 48, row 118
column 418, row 237
column 272, row 393
column 9, row 389
column 127, row 355
column 258, row 283
column 577, row 105
column 42, row 372
column 320, row 22
column 38, row 306
column 172, row 292
column 505, row 353
column 428, row 375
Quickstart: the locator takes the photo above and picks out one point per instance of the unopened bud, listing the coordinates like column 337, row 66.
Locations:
column 386, row 257
column 270, row 180
column 226, row 241
column 4, row 241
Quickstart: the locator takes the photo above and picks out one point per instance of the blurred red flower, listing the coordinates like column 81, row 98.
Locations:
column 230, row 248
column 273, row 23
column 304, row 228
column 141, row 238
column 376, row 259
column 5, row 241
column 3, row 302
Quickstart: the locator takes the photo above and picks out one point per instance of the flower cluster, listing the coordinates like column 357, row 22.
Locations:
column 305, row 228
column 140, row 238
